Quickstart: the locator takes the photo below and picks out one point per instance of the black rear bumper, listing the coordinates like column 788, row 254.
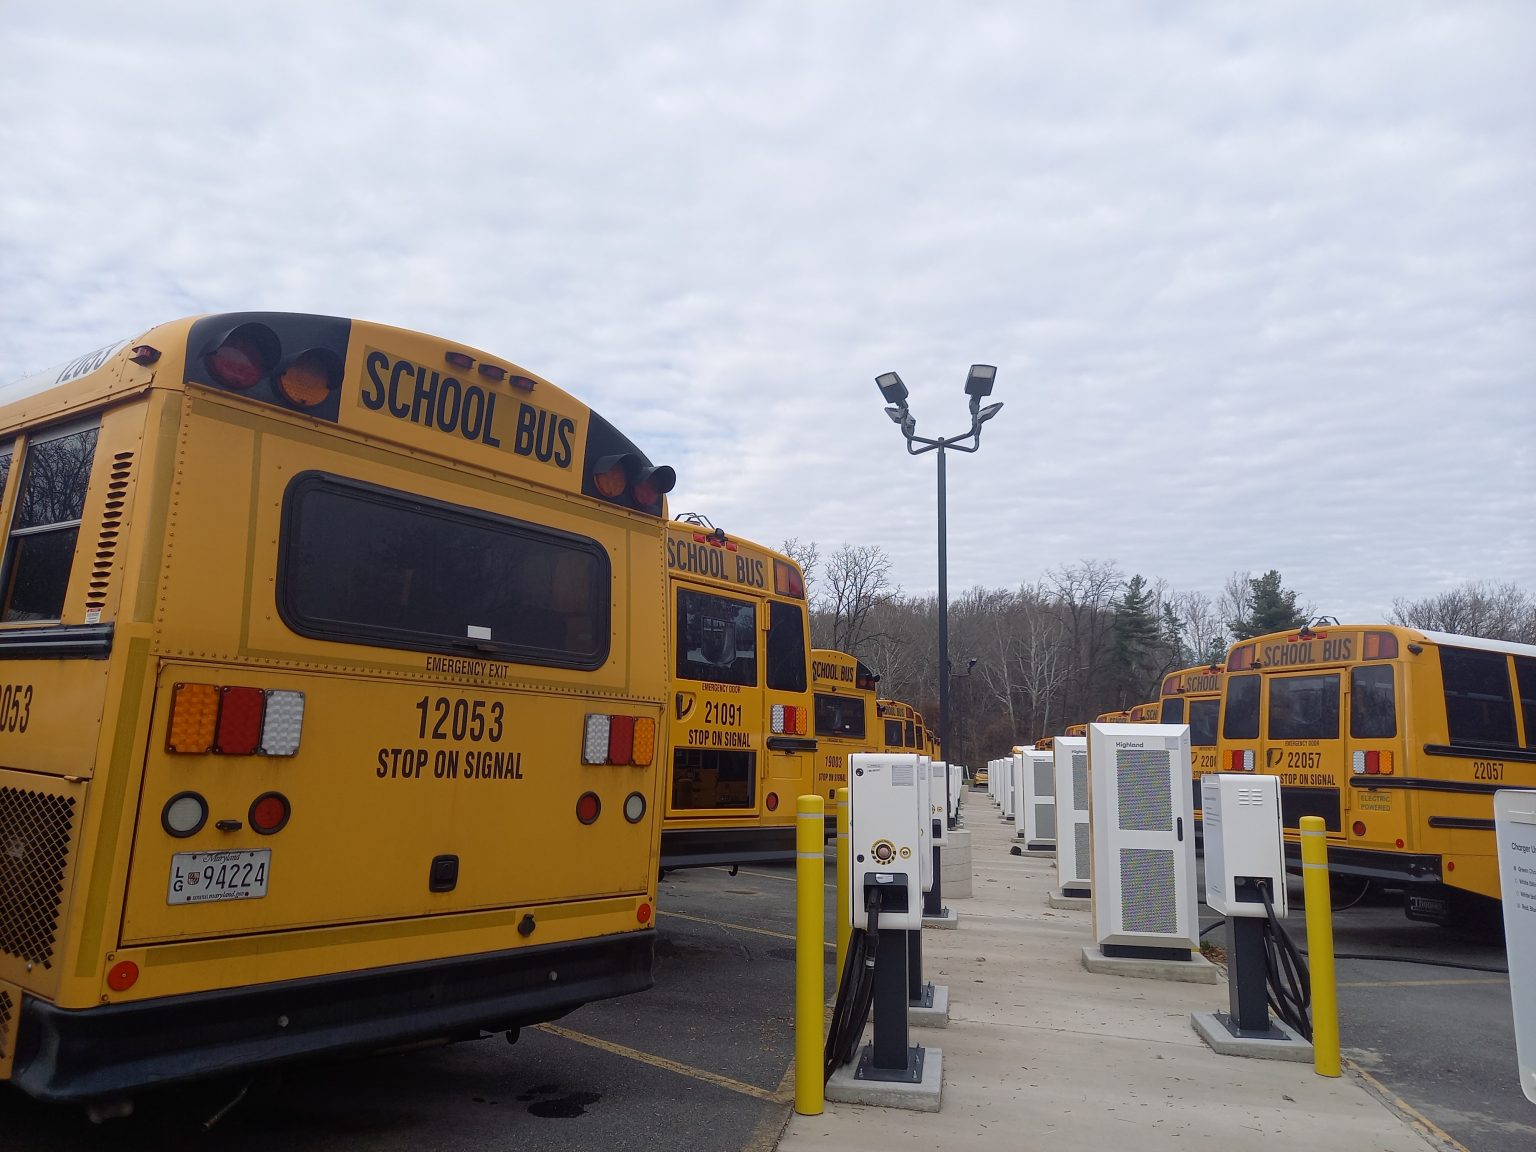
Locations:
column 1389, row 867
column 703, row 847
column 83, row 1054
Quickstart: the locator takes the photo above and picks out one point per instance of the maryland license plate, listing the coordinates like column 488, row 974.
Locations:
column 199, row 877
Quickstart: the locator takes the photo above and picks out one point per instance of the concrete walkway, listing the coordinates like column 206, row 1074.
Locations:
column 1042, row 1054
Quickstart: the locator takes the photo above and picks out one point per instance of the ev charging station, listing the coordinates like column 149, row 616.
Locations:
column 1074, row 855
column 1035, row 805
column 890, row 841
column 1011, row 770
column 1145, row 905
column 1245, row 882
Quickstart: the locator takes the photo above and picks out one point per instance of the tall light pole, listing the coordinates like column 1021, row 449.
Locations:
column 978, row 386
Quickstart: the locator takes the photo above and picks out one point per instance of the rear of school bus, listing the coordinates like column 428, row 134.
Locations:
column 845, row 719
column 339, row 704
column 1397, row 738
column 742, row 743
column 1193, row 696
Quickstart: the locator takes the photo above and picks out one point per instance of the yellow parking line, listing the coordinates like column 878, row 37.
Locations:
column 1407, row 1109
column 738, row 927
column 752, row 1090
column 1414, row 983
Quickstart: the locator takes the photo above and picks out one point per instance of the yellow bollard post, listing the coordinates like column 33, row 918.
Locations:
column 844, row 871
column 1325, row 997
column 810, row 952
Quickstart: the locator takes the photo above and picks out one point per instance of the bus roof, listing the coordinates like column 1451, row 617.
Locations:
column 1347, row 643
column 832, row 670
column 1202, row 678
column 408, row 388
column 696, row 549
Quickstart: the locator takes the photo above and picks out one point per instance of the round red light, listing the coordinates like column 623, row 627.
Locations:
column 269, row 812
column 773, row 802
column 244, row 356
column 1358, row 827
column 1450, row 865
column 1399, row 842
column 123, row 976
column 588, row 807
column 643, row 913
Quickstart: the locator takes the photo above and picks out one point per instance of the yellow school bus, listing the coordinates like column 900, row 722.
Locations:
column 1145, row 713
column 1113, row 717
column 902, row 729
column 1193, row 696
column 742, row 742
column 1076, row 730
column 1398, row 739
column 333, row 679
column 845, row 717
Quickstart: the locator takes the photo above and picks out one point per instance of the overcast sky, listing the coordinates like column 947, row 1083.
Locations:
column 1260, row 281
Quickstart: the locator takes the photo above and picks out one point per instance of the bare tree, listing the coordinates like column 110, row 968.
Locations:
column 1202, row 627
column 807, row 555
column 857, row 579
column 1477, row 608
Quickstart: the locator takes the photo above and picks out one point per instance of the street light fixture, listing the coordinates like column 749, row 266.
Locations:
column 978, row 386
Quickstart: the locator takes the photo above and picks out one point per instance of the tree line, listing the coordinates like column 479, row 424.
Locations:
column 1085, row 639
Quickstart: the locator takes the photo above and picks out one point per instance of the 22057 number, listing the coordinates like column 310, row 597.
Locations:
column 1487, row 770
column 460, row 719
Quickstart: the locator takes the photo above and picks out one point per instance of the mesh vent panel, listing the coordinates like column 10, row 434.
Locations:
column 1080, row 781
column 1146, row 803
column 1082, row 862
column 6, row 1011
column 1045, row 778
column 1147, row 891
column 1045, row 821
column 35, row 830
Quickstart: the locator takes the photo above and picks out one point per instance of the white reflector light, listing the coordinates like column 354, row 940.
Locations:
column 594, row 742
column 185, row 814
column 634, row 807
column 284, row 723
column 778, row 718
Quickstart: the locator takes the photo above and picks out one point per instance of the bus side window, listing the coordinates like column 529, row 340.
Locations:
column 1525, row 673
column 786, row 648
column 41, row 549
column 1478, row 706
column 1240, row 717
column 1372, row 704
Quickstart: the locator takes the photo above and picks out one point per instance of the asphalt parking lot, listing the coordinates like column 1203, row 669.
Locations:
column 698, row 1063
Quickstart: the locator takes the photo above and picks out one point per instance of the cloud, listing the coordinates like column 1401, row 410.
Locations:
column 1259, row 283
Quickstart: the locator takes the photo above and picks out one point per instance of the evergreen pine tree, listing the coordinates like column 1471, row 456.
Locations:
column 1137, row 633
column 1270, row 608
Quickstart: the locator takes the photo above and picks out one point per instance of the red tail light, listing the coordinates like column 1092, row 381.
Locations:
column 621, row 739
column 788, row 580
column 588, row 807
column 244, row 356
column 1379, row 646
column 269, row 812
column 241, row 711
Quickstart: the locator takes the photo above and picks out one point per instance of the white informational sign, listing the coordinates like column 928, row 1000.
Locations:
column 1514, row 820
